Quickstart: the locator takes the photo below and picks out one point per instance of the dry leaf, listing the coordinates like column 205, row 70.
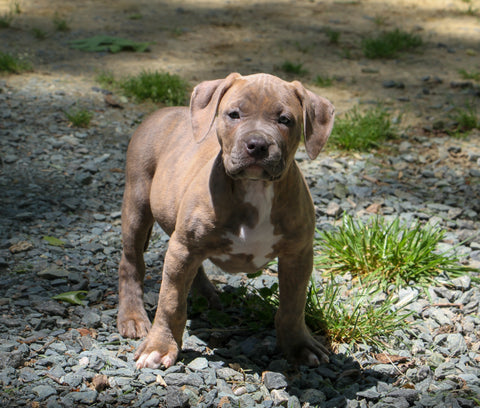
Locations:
column 20, row 247
column 100, row 382
column 386, row 358
column 374, row 208
column 161, row 381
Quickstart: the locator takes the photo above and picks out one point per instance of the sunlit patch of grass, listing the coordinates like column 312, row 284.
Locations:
column 362, row 131
column 386, row 252
column 350, row 316
column 159, row 87
column 156, row 86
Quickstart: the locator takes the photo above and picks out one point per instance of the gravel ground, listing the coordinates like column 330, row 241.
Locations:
column 66, row 183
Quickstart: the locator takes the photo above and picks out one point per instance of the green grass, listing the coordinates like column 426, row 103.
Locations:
column 377, row 255
column 135, row 16
column 389, row 44
column 292, row 68
column 106, row 79
column 79, row 118
column 342, row 316
column 323, row 81
column 39, row 34
column 11, row 64
column 60, row 23
column 467, row 120
column 387, row 252
column 475, row 75
column 357, row 131
column 350, row 316
column 159, row 87
column 332, row 35
column 7, row 18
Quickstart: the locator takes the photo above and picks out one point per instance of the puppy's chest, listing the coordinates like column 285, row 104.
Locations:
column 252, row 246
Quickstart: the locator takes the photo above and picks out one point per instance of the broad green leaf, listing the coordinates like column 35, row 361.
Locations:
column 53, row 241
column 75, row 297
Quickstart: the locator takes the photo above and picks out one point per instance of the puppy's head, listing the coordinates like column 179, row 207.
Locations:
column 258, row 120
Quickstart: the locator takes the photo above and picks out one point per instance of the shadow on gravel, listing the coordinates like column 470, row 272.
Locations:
column 242, row 336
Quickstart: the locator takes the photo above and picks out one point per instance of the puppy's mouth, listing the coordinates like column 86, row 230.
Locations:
column 254, row 170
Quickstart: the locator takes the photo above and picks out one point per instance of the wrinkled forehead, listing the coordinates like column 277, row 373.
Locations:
column 262, row 92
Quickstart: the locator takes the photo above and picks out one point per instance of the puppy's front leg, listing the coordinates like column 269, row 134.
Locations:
column 293, row 336
column 164, row 340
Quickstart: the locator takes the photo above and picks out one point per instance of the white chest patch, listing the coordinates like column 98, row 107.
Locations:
column 258, row 241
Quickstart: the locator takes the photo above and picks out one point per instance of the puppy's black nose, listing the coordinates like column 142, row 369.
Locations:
column 257, row 147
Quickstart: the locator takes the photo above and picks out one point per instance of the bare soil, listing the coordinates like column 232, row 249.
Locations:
column 202, row 40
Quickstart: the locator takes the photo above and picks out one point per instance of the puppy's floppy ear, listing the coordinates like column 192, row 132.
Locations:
column 318, row 118
column 204, row 102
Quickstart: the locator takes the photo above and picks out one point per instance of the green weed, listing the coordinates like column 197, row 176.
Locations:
column 106, row 78
column 475, row 75
column 157, row 87
column 389, row 44
column 356, row 131
column 387, row 253
column 323, row 81
column 7, row 18
column 39, row 34
column 60, row 23
column 350, row 316
column 292, row 68
column 11, row 64
column 333, row 35
column 467, row 120
column 79, row 118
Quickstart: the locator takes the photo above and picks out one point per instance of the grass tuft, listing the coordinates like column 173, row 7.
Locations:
column 475, row 75
column 333, row 35
column 323, row 81
column 291, row 68
column 79, row 118
column 467, row 120
column 60, row 23
column 350, row 316
column 356, row 131
column 387, row 253
column 39, row 34
column 7, row 18
column 11, row 64
column 155, row 86
column 389, row 44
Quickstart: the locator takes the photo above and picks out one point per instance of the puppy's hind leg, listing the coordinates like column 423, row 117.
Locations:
column 204, row 287
column 137, row 222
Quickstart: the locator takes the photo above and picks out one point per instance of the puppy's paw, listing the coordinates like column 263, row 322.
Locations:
column 133, row 325
column 304, row 350
column 154, row 353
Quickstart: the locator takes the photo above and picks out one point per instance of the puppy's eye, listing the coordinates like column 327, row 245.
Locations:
column 284, row 120
column 234, row 114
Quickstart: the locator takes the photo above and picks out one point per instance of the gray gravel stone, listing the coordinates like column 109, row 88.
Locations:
column 44, row 391
column 274, row 380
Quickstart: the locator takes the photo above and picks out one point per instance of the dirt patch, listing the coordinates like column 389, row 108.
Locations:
column 208, row 39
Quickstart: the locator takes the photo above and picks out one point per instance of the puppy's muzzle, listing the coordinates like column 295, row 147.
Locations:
column 255, row 157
